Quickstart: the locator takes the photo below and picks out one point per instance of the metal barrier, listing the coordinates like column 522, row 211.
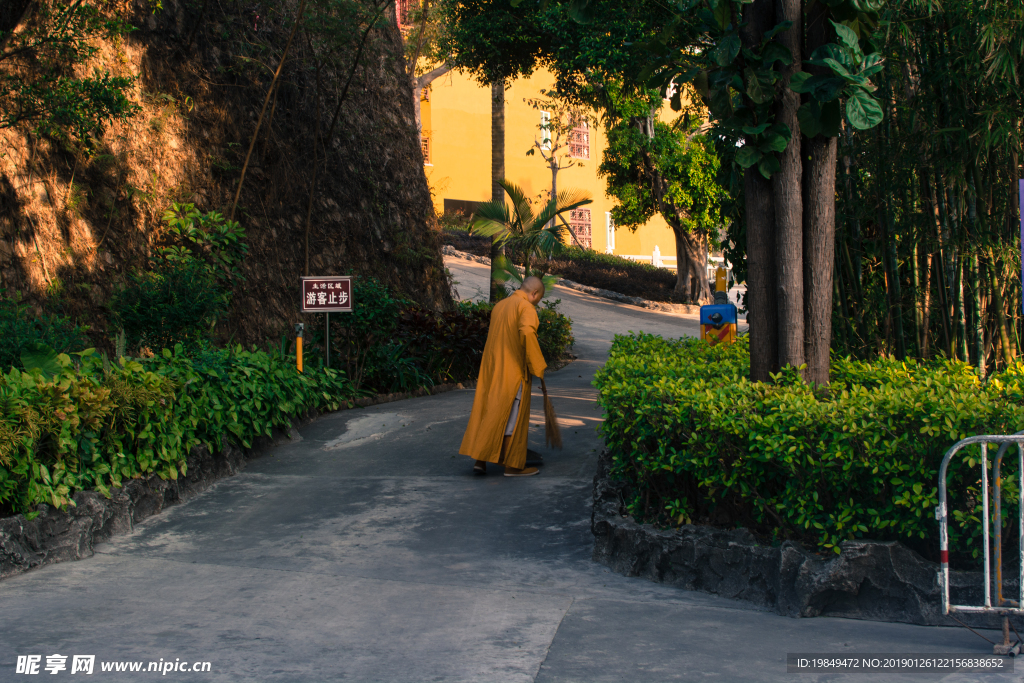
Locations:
column 1002, row 606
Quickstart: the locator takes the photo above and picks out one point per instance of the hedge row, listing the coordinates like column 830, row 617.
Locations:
column 698, row 442
column 96, row 423
column 87, row 423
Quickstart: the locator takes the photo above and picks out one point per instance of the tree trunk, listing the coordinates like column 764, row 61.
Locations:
column 762, row 309
column 418, row 84
column 762, row 313
column 819, row 253
column 819, row 223
column 788, row 192
column 497, row 174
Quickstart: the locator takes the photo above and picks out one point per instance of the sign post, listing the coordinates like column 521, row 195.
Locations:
column 328, row 294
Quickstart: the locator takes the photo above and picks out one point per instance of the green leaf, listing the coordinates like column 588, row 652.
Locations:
column 874, row 63
column 756, row 130
column 723, row 14
column 720, row 103
column 797, row 81
column 776, row 52
column 847, row 37
column 747, row 156
column 830, row 51
column 773, row 31
column 836, row 67
column 809, row 116
column 727, row 49
column 863, row 111
column 759, row 87
column 774, row 142
column 769, row 165
column 824, row 88
column 38, row 357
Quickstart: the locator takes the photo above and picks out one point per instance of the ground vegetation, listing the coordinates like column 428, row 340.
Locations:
column 699, row 442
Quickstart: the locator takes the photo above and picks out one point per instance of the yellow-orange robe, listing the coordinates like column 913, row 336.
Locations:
column 511, row 354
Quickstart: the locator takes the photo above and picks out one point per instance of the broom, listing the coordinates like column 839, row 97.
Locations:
column 552, row 435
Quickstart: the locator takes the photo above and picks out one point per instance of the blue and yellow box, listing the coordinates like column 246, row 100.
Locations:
column 718, row 323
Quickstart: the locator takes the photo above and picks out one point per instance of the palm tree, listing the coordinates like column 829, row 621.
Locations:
column 530, row 233
column 497, row 173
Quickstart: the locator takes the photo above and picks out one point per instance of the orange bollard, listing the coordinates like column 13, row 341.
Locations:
column 298, row 346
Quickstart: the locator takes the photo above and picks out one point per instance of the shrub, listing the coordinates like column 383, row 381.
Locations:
column 447, row 345
column 19, row 330
column 554, row 332
column 95, row 424
column 611, row 272
column 189, row 288
column 177, row 303
column 695, row 440
column 357, row 337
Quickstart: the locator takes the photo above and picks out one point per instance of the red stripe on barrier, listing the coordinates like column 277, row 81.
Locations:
column 944, row 556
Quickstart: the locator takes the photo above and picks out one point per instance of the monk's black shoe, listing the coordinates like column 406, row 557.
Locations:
column 533, row 458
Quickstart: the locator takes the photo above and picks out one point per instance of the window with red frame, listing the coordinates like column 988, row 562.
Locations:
column 579, row 221
column 579, row 141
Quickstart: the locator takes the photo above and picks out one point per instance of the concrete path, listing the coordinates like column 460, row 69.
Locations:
column 368, row 552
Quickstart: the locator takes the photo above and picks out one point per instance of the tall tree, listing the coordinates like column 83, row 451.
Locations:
column 756, row 85
column 672, row 170
column 497, row 177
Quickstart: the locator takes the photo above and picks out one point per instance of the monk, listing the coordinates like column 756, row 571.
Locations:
column 500, row 420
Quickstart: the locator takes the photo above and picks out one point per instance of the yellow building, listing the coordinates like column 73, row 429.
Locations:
column 456, row 117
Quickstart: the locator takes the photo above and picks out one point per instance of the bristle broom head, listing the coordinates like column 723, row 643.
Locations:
column 552, row 435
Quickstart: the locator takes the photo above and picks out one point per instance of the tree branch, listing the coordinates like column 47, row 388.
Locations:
column 427, row 78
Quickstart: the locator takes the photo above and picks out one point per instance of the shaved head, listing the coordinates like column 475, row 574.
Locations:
column 532, row 284
column 533, row 287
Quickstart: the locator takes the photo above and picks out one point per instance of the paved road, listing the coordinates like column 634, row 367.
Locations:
column 368, row 552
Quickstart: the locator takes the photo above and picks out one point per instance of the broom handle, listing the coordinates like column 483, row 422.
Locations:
column 543, row 387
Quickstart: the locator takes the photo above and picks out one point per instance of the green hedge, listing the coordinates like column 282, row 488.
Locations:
column 97, row 423
column 698, row 442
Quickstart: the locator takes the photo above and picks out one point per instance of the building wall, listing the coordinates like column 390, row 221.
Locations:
column 457, row 124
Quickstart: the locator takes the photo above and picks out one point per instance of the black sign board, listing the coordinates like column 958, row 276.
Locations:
column 332, row 294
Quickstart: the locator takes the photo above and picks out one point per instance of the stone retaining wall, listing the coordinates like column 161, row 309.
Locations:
column 56, row 535
column 881, row 581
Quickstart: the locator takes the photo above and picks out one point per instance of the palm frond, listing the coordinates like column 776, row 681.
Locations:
column 567, row 200
column 492, row 219
column 520, row 203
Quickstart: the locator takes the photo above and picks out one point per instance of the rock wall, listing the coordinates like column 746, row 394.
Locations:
column 58, row 536
column 72, row 224
column 867, row 580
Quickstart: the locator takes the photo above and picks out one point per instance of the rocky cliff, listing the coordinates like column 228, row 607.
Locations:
column 73, row 223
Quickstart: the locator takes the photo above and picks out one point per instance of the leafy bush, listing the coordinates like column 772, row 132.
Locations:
column 447, row 345
column 20, row 329
column 614, row 273
column 697, row 441
column 95, row 424
column 357, row 337
column 177, row 303
column 393, row 345
column 554, row 332
column 189, row 288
